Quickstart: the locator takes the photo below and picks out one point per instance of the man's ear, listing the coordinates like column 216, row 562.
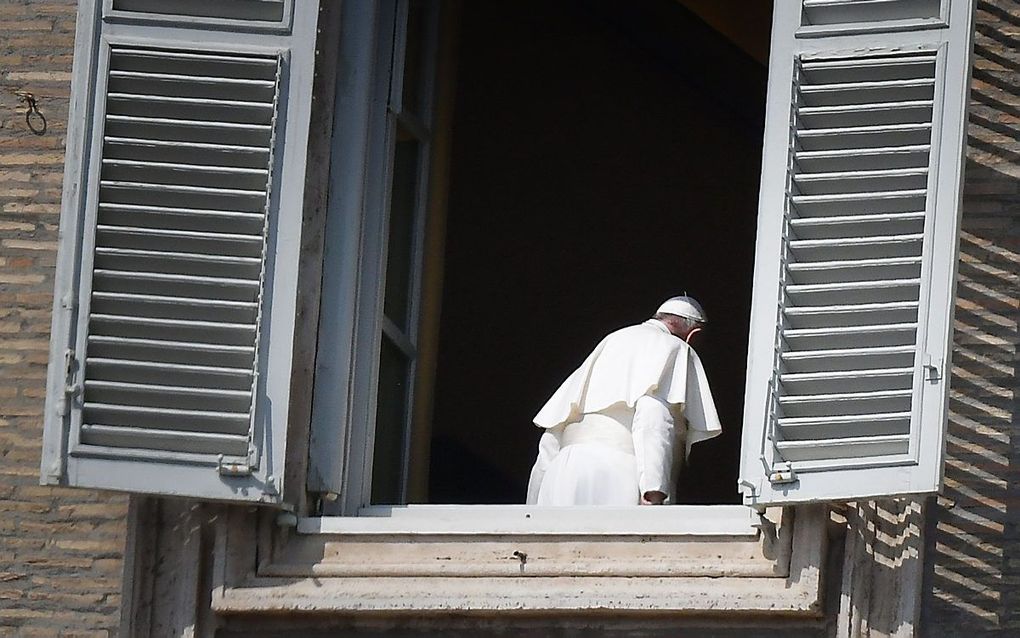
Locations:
column 691, row 334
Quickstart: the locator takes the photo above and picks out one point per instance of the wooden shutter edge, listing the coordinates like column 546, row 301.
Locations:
column 310, row 267
column 56, row 421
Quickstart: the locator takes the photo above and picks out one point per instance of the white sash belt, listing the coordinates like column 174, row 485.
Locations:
column 600, row 428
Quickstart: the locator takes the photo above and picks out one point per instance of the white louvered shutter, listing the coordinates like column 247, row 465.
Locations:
column 856, row 249
column 176, row 279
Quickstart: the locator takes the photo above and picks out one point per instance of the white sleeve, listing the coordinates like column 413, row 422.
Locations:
column 548, row 448
column 653, row 444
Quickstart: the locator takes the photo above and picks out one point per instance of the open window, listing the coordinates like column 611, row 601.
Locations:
column 584, row 169
column 474, row 231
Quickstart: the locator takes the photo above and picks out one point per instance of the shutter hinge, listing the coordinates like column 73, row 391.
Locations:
column 782, row 474
column 71, row 388
column 932, row 368
column 226, row 468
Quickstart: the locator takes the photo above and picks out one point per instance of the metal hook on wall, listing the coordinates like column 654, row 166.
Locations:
column 35, row 120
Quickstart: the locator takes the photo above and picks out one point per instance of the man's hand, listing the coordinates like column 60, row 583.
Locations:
column 653, row 498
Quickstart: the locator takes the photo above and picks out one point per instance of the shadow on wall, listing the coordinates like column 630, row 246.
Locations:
column 972, row 578
column 879, row 567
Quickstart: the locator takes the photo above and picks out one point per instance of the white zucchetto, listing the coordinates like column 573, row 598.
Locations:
column 684, row 306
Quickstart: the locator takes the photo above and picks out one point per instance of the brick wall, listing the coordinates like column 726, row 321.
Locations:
column 60, row 550
column 972, row 584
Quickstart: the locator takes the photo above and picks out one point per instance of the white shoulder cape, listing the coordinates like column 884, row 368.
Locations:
column 632, row 362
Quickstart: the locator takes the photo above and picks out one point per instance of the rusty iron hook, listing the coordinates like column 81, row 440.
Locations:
column 35, row 120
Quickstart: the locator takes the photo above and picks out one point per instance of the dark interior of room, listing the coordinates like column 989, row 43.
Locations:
column 606, row 156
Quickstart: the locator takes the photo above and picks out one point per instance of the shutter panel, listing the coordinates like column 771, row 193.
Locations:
column 856, row 250
column 177, row 268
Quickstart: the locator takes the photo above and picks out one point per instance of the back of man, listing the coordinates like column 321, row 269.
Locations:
column 613, row 428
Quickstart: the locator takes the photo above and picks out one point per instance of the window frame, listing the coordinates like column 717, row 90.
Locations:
column 343, row 420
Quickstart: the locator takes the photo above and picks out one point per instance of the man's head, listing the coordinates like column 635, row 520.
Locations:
column 683, row 315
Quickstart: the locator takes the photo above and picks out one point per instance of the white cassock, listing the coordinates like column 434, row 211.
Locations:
column 615, row 429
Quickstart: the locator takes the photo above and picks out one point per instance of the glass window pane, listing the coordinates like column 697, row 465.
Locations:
column 391, row 410
column 401, row 232
column 413, row 91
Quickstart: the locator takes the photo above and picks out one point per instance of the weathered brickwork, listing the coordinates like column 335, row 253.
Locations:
column 60, row 550
column 972, row 584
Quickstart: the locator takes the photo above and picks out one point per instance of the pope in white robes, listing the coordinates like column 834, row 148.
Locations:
column 618, row 428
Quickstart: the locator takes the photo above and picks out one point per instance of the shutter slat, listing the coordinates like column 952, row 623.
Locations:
column 188, row 82
column 861, row 181
column 898, row 66
column 210, row 260
column 168, row 440
column 863, row 225
column 858, row 16
column 880, row 262
column 156, row 371
column 844, row 396
column 862, row 157
column 802, row 155
column 852, row 308
column 846, row 352
column 165, row 146
column 192, row 108
column 190, row 125
column 914, row 194
column 811, row 423
column 152, row 277
column 868, row 109
column 874, row 113
column 212, row 421
column 169, row 189
column 865, row 86
column 170, row 351
column 856, row 220
column 151, row 217
column 220, row 171
column 853, row 175
column 223, row 306
column 172, row 175
column 856, row 241
column 853, row 269
column 149, row 305
column 176, row 262
column 835, row 381
column 167, row 396
column 880, row 129
column 863, row 403
column 850, row 286
column 163, row 235
column 222, row 62
column 199, row 331
column 849, row 336
column 153, row 322
column 193, row 347
column 226, row 10
column 855, row 447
